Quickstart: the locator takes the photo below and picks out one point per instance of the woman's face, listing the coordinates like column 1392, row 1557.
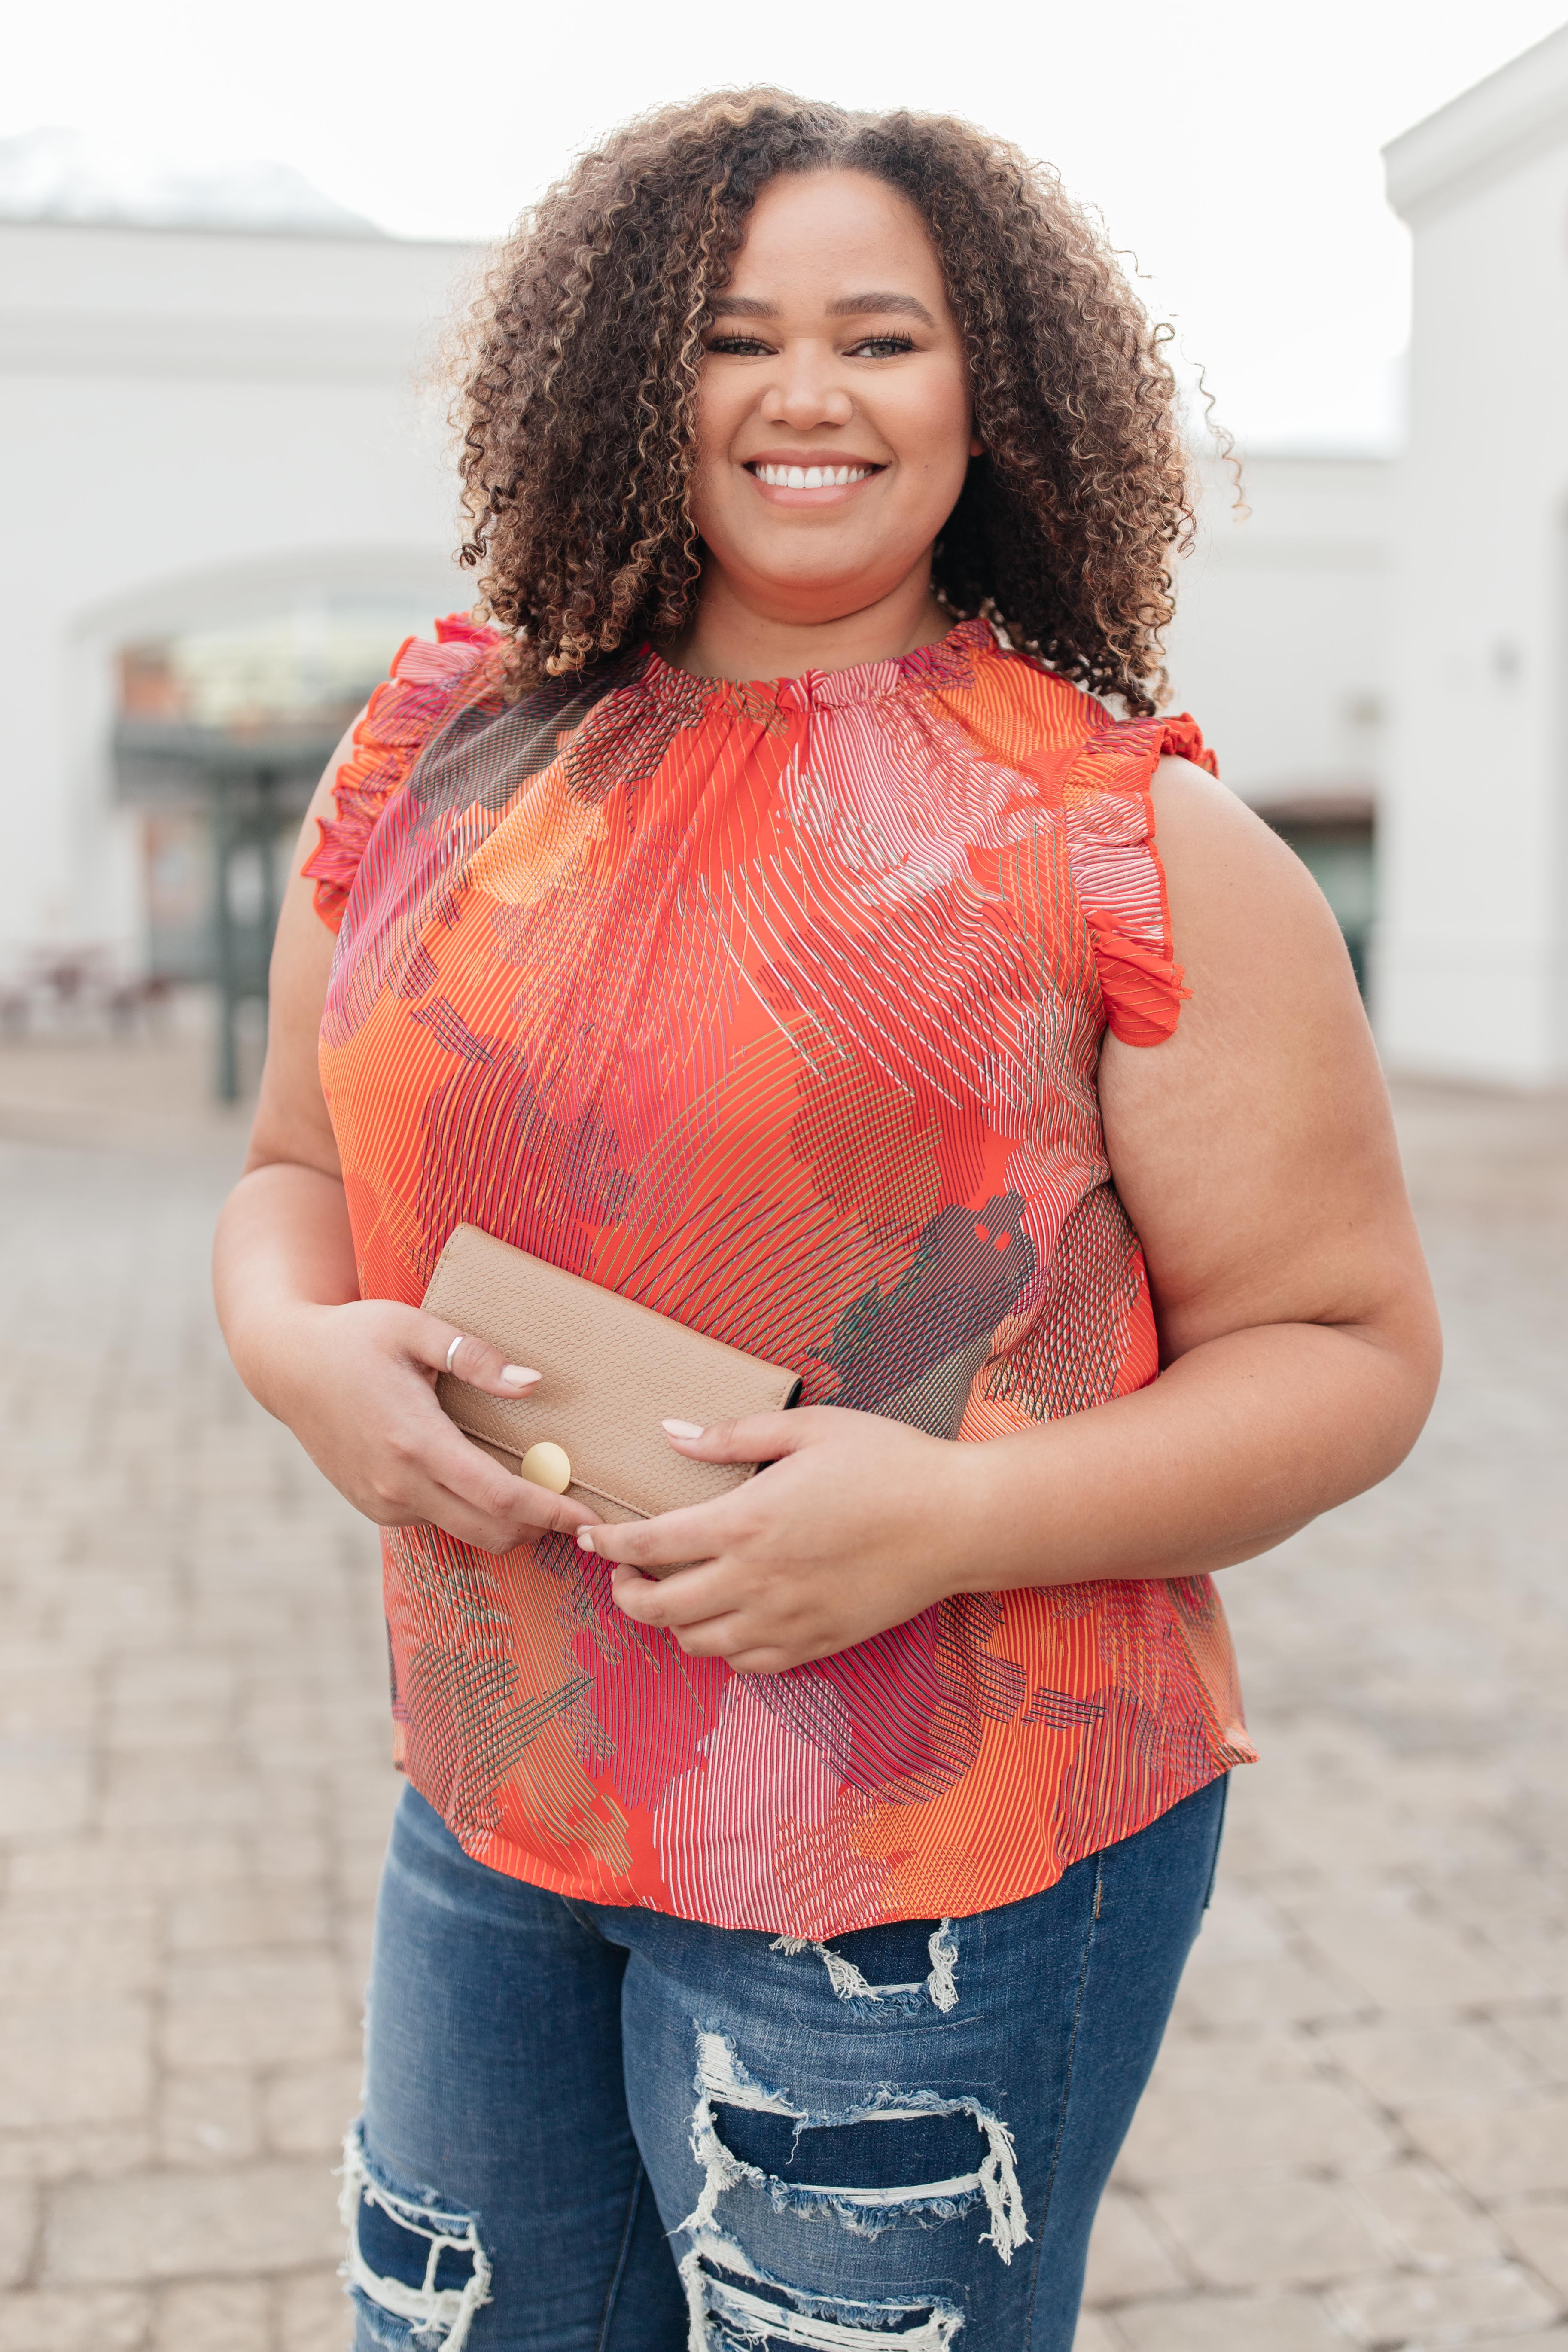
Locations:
column 833, row 410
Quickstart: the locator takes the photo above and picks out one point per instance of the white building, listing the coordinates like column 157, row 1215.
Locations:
column 1280, row 651
column 1279, row 645
column 226, row 496
column 204, row 432
column 1472, row 957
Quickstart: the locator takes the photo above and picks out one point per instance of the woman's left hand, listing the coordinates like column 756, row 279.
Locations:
column 859, row 1524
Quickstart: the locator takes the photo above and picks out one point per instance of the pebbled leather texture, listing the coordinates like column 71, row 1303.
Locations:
column 611, row 1373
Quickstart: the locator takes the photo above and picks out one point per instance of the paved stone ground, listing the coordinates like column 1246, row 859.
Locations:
column 1359, row 2129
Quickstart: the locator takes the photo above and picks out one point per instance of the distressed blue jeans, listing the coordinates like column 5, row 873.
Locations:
column 595, row 2130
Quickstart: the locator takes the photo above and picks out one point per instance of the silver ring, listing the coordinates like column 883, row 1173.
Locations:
column 454, row 1348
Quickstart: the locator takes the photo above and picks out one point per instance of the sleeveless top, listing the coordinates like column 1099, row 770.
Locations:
column 777, row 1008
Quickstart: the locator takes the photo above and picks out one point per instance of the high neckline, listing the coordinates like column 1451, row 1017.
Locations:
column 949, row 661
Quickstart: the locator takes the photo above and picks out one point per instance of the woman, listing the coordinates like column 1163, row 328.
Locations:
column 773, row 1952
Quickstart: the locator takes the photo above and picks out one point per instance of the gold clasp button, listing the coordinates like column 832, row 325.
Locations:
column 549, row 1465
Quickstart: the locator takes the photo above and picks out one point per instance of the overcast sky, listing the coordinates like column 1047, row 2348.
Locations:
column 1232, row 147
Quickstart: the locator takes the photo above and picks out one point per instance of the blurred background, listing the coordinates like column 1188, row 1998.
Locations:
column 225, row 266
column 228, row 251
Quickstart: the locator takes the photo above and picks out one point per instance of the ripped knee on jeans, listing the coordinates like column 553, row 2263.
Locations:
column 416, row 2270
column 967, row 2152
column 900, row 2158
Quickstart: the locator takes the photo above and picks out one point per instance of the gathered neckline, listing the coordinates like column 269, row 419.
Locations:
column 949, row 661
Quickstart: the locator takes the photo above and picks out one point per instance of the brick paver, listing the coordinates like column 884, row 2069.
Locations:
column 1358, row 2133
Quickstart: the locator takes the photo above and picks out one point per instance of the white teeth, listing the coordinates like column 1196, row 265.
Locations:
column 810, row 478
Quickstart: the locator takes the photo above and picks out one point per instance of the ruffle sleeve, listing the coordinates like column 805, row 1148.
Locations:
column 1121, row 881
column 424, row 687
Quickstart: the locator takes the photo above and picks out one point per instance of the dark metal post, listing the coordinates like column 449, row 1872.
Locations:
column 225, row 943
column 267, row 781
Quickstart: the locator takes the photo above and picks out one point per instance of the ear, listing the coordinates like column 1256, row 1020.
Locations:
column 976, row 446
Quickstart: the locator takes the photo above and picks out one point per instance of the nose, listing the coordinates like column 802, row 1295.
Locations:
column 805, row 389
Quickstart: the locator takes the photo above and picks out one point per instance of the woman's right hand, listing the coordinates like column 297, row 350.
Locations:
column 356, row 1383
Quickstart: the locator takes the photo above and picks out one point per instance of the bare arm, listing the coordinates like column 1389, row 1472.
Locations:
column 354, row 1379
column 1255, row 1152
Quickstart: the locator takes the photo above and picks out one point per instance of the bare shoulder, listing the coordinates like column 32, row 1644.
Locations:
column 1219, row 855
column 1249, row 926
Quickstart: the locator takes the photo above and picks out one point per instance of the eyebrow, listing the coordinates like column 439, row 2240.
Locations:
column 904, row 306
column 849, row 305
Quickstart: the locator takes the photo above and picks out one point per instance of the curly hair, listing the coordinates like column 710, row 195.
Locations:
column 581, row 358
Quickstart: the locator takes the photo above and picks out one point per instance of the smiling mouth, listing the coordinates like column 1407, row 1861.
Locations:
column 809, row 477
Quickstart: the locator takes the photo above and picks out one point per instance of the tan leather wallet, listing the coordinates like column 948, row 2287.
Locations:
column 610, row 1374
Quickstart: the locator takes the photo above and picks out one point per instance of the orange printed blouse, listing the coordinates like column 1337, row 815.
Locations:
column 777, row 1008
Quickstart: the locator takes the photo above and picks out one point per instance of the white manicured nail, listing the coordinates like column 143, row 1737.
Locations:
column 518, row 1376
column 684, row 1428
column 584, row 1540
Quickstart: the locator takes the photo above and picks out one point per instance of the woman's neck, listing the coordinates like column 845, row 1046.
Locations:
column 733, row 637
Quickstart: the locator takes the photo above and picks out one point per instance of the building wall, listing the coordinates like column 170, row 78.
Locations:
column 1281, row 643
column 197, row 426
column 1471, row 962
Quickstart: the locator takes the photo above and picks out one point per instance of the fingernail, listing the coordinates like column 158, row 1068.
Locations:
column 517, row 1376
column 584, row 1540
column 684, row 1428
